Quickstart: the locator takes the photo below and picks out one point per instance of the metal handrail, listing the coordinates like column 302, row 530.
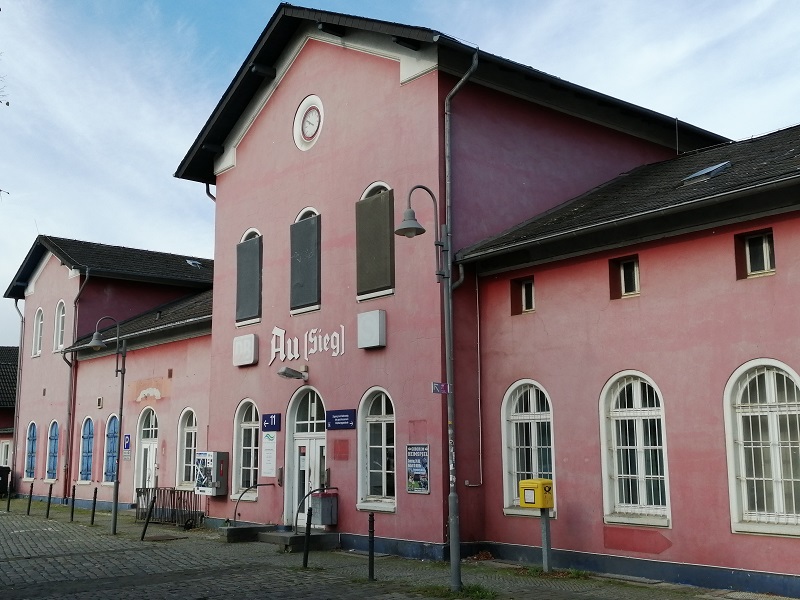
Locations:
column 299, row 504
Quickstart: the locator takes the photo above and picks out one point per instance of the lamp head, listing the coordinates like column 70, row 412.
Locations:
column 410, row 226
column 289, row 373
column 96, row 343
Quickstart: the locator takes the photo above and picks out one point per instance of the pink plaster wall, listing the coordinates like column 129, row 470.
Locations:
column 374, row 130
column 692, row 325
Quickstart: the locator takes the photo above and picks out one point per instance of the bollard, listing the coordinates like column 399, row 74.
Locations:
column 307, row 539
column 94, row 505
column 72, row 510
column 546, row 540
column 8, row 493
column 30, row 497
column 149, row 514
column 49, row 500
column 372, row 546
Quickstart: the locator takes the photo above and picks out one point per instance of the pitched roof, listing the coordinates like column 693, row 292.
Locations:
column 690, row 191
column 179, row 319
column 453, row 57
column 115, row 262
column 8, row 375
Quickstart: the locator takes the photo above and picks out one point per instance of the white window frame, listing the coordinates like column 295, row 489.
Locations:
column 5, row 453
column 187, row 426
column 366, row 501
column 30, row 451
column 528, row 299
column 768, row 253
column 615, row 511
column 38, row 327
column 509, row 421
column 59, row 326
column 240, row 426
column 775, row 522
column 622, row 263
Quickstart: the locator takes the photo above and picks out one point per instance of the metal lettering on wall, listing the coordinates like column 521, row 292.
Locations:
column 314, row 341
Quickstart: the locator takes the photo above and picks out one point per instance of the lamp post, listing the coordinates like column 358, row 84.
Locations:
column 97, row 343
column 410, row 227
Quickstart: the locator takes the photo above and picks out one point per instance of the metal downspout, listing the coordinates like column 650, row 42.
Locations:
column 453, row 516
column 15, row 435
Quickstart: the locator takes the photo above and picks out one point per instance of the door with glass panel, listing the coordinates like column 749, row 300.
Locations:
column 308, row 468
column 147, row 471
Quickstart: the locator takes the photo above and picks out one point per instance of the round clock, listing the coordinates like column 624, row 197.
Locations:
column 308, row 120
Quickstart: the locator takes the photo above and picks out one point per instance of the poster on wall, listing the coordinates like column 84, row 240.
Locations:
column 269, row 454
column 417, row 481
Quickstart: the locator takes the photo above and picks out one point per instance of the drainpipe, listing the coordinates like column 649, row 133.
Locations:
column 15, row 436
column 453, row 517
column 72, row 391
column 209, row 194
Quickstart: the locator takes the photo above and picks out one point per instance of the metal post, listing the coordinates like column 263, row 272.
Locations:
column 30, row 497
column 94, row 505
column 121, row 371
column 72, row 509
column 372, row 546
column 546, row 540
column 147, row 518
column 307, row 539
column 49, row 499
column 8, row 492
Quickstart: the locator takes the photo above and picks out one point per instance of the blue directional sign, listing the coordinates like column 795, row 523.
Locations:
column 340, row 419
column 271, row 422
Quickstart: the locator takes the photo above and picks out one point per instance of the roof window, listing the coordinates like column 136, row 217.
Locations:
column 193, row 263
column 707, row 173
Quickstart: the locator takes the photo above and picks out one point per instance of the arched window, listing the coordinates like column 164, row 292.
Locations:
column 527, row 439
column 87, row 447
column 377, row 450
column 52, row 451
column 634, row 452
column 247, row 426
column 59, row 325
column 375, row 272
column 111, row 450
column 762, row 420
column 248, row 277
column 38, row 326
column 187, row 436
column 30, row 452
column 305, row 261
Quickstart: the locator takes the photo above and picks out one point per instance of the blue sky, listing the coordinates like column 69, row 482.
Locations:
column 107, row 95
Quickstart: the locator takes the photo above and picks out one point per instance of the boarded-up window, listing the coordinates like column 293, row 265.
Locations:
column 248, row 279
column 306, row 263
column 375, row 243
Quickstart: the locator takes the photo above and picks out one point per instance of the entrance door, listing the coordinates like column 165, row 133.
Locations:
column 308, row 466
column 147, row 472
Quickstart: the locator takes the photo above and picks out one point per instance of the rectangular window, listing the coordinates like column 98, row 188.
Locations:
column 375, row 243
column 248, row 279
column 305, row 239
column 755, row 254
column 522, row 296
column 623, row 275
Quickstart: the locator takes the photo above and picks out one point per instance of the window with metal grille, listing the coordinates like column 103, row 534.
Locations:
column 30, row 452
column 528, row 423
column 52, row 451
column 380, row 448
column 766, row 405
column 635, row 456
column 247, row 425
column 187, row 435
column 87, row 446
column 110, row 466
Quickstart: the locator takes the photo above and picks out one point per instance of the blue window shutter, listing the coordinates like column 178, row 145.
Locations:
column 375, row 243
column 248, row 279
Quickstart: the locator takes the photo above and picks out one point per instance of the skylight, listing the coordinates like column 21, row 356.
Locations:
column 193, row 263
column 707, row 173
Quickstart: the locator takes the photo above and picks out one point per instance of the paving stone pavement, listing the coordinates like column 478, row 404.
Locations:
column 55, row 558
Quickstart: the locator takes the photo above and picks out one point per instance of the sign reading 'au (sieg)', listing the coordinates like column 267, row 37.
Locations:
column 315, row 341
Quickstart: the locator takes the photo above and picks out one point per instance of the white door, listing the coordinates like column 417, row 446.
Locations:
column 307, row 462
column 147, row 471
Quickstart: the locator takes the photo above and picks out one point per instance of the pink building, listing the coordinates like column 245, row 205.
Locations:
column 628, row 340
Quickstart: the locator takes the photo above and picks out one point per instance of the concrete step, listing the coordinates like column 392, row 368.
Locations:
column 288, row 541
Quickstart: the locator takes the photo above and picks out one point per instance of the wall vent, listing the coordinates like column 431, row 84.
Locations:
column 99, row 402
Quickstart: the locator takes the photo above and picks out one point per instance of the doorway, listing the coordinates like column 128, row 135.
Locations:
column 306, row 453
column 147, row 459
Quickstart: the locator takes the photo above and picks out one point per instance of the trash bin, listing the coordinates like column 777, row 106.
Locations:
column 324, row 508
column 4, row 473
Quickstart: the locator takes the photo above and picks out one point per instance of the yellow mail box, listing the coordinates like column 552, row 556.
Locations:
column 536, row 493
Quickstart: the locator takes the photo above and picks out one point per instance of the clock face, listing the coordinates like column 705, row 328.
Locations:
column 311, row 121
column 308, row 121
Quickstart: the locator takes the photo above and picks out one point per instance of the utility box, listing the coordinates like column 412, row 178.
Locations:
column 211, row 473
column 324, row 508
column 536, row 493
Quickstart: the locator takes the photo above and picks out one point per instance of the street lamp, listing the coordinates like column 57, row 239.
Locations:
column 97, row 343
column 410, row 227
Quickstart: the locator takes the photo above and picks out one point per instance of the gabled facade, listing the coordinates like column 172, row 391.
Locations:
column 638, row 347
column 329, row 124
column 68, row 286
